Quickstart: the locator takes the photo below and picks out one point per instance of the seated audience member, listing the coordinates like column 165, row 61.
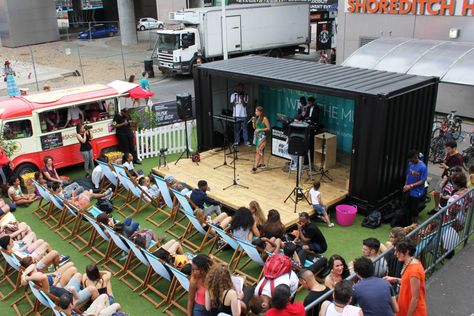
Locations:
column 127, row 162
column 222, row 220
column 290, row 279
column 126, row 228
column 265, row 246
column 220, row 296
column 74, row 116
column 145, row 238
column 5, row 208
column 76, row 195
column 242, row 225
column 101, row 280
column 374, row 295
column 49, row 172
column 370, row 249
column 289, row 250
column 316, row 290
column 273, row 228
column 340, row 306
column 257, row 214
column 17, row 231
column 281, row 303
column 99, row 307
column 151, row 189
column 174, row 184
column 317, row 203
column 339, row 271
column 200, row 198
column 168, row 250
column 40, row 179
column 201, row 264
column 309, row 237
column 16, row 195
column 96, row 177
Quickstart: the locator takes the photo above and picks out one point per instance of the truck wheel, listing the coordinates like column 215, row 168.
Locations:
column 275, row 53
column 25, row 168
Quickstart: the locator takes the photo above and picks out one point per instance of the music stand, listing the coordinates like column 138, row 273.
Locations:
column 322, row 170
column 234, row 152
column 297, row 191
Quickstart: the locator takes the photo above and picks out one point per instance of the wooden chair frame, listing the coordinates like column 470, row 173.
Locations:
column 178, row 289
column 156, row 267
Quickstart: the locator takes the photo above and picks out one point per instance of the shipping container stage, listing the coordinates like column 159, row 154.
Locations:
column 269, row 187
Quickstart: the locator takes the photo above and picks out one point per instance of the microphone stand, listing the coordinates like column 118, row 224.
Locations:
column 322, row 170
column 234, row 151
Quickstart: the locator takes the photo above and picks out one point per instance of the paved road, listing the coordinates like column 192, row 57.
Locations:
column 449, row 290
column 166, row 88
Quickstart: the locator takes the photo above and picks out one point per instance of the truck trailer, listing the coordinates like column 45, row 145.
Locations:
column 274, row 29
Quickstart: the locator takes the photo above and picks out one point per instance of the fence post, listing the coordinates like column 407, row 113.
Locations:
column 470, row 216
column 80, row 63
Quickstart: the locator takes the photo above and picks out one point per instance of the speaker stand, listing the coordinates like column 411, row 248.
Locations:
column 297, row 193
column 186, row 151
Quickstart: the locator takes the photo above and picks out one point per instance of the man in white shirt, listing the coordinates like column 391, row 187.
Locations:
column 74, row 116
column 239, row 100
column 290, row 279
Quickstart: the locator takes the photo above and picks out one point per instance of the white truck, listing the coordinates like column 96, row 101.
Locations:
column 275, row 29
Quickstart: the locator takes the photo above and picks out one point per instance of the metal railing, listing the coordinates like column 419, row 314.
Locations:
column 437, row 239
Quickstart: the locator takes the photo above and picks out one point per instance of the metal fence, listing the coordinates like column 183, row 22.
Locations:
column 437, row 239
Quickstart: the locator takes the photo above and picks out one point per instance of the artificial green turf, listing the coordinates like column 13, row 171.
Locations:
column 346, row 241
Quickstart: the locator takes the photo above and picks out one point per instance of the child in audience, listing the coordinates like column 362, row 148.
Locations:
column 127, row 162
column 151, row 189
column 126, row 228
column 317, row 203
column 222, row 220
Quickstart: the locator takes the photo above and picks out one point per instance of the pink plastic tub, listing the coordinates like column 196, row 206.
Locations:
column 345, row 214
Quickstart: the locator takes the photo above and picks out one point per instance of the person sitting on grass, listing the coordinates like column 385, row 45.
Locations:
column 222, row 220
column 16, row 195
column 50, row 174
column 273, row 228
column 99, row 307
column 309, row 237
column 317, row 203
column 262, row 244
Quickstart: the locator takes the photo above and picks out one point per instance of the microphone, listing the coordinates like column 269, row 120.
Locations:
column 251, row 119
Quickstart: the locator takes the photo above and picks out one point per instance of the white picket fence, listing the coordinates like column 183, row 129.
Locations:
column 150, row 141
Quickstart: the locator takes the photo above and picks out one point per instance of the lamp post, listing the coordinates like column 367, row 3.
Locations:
column 224, row 31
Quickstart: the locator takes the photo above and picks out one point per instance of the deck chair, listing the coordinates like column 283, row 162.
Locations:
column 53, row 217
column 178, row 289
column 97, row 238
column 229, row 240
column 158, row 267
column 117, row 246
column 45, row 203
column 56, row 310
column 134, row 194
column 11, row 275
column 129, row 269
column 113, row 179
column 70, row 226
column 254, row 256
column 169, row 202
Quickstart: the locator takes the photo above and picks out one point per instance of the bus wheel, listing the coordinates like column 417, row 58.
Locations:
column 25, row 168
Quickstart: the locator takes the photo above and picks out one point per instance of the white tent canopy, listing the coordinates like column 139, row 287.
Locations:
column 452, row 62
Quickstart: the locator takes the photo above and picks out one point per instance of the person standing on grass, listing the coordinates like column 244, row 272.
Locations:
column 317, row 203
column 417, row 173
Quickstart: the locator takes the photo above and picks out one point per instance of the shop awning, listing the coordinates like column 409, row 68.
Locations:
column 452, row 62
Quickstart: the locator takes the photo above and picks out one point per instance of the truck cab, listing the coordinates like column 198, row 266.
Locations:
column 177, row 50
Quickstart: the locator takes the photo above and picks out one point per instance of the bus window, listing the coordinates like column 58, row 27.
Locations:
column 17, row 129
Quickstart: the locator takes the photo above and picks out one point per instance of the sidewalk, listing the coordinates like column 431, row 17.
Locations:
column 449, row 290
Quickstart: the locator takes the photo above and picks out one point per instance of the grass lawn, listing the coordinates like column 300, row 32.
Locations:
column 346, row 241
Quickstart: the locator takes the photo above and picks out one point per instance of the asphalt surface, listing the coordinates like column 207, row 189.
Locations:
column 450, row 290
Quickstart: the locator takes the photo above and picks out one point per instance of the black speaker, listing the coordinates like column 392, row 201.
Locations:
column 298, row 138
column 185, row 106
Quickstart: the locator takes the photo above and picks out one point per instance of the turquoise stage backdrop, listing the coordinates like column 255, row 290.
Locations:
column 337, row 114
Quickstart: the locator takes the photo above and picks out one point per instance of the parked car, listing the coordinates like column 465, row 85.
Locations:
column 98, row 31
column 149, row 23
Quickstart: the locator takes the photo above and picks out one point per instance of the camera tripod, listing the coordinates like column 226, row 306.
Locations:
column 297, row 193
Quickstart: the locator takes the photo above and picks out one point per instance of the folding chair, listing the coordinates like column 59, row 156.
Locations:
column 169, row 202
column 254, row 256
column 178, row 289
column 11, row 275
column 94, row 242
column 45, row 203
column 133, row 193
column 112, row 177
column 157, row 266
column 53, row 217
column 116, row 247
column 129, row 270
column 229, row 240
column 70, row 226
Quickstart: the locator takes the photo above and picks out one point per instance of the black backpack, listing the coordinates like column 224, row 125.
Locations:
column 373, row 220
column 105, row 206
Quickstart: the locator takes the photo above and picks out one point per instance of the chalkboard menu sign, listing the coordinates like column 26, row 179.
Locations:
column 51, row 141
column 167, row 112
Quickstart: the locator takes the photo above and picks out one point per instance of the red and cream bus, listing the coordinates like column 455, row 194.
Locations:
column 37, row 125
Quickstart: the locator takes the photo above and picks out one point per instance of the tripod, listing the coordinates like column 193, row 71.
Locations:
column 322, row 170
column 297, row 193
column 234, row 152
column 226, row 142
column 186, row 151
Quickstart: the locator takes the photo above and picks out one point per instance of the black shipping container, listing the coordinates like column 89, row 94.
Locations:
column 393, row 113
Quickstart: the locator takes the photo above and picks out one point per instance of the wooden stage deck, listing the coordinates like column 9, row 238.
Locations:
column 269, row 187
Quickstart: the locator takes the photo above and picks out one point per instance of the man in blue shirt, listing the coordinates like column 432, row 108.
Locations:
column 374, row 295
column 417, row 173
column 199, row 197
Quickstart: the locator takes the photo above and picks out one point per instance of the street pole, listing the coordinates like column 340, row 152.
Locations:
column 34, row 68
column 80, row 63
column 224, row 31
column 123, row 61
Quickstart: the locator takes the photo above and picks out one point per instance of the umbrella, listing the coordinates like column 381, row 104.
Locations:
column 140, row 93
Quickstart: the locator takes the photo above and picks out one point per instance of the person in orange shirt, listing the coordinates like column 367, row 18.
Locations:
column 411, row 298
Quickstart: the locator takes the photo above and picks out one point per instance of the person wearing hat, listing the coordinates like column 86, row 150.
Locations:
column 124, row 134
